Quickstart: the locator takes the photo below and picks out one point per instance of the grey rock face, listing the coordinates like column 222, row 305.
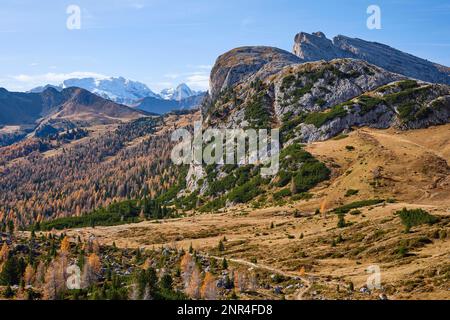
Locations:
column 316, row 46
column 341, row 80
column 313, row 47
column 239, row 64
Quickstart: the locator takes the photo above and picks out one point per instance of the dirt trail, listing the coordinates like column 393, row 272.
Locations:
column 298, row 295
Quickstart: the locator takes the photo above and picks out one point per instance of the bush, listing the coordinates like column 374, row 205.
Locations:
column 355, row 212
column 318, row 119
column 351, row 192
column 367, row 103
column 341, row 221
column 256, row 113
column 357, row 204
column 117, row 213
column 213, row 205
column 246, row 192
column 350, row 148
column 311, row 174
column 415, row 217
column 282, row 194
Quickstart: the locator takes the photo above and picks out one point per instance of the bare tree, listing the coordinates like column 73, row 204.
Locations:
column 195, row 284
column 55, row 279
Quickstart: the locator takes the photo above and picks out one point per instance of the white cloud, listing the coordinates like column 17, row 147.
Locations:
column 138, row 5
column 23, row 82
column 198, row 81
column 172, row 75
column 159, row 86
column 201, row 66
column 56, row 78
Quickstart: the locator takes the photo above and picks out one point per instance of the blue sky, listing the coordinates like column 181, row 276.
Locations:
column 166, row 42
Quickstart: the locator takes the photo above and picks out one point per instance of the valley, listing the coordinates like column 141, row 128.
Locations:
column 293, row 237
column 358, row 210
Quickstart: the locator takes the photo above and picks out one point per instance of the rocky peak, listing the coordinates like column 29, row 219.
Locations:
column 314, row 47
column 240, row 64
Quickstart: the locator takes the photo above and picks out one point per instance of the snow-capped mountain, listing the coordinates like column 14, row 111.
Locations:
column 134, row 94
column 119, row 90
column 179, row 93
column 167, row 94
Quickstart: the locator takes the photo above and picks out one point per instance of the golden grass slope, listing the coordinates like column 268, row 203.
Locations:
column 410, row 167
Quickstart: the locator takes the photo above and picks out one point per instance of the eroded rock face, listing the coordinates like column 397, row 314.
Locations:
column 319, row 100
column 317, row 86
column 263, row 88
column 313, row 47
column 316, row 46
column 239, row 64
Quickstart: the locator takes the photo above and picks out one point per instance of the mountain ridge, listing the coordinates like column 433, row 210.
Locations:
column 316, row 46
column 121, row 90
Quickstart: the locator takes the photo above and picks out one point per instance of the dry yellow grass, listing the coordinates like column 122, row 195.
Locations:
column 411, row 167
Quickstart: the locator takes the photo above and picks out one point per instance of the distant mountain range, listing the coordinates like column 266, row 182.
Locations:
column 179, row 93
column 133, row 93
column 53, row 111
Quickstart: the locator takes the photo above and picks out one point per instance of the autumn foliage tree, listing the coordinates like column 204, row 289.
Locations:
column 4, row 252
column 29, row 275
column 209, row 287
column 195, row 283
column 65, row 245
column 55, row 279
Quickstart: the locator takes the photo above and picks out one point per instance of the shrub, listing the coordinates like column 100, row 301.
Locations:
column 350, row 148
column 341, row 137
column 282, row 194
column 402, row 251
column 357, row 204
column 407, row 84
column 311, row 174
column 213, row 205
column 367, row 103
column 256, row 113
column 246, row 192
column 351, row 192
column 341, row 221
column 318, row 119
column 415, row 217
column 127, row 211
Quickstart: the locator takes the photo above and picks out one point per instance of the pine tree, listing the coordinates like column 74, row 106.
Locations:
column 10, row 274
column 8, row 293
column 224, row 264
column 221, row 246
column 341, row 222
column 293, row 186
column 166, row 282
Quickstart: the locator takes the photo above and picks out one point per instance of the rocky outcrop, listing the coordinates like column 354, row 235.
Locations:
column 313, row 47
column 318, row 100
column 316, row 46
column 237, row 65
column 308, row 102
